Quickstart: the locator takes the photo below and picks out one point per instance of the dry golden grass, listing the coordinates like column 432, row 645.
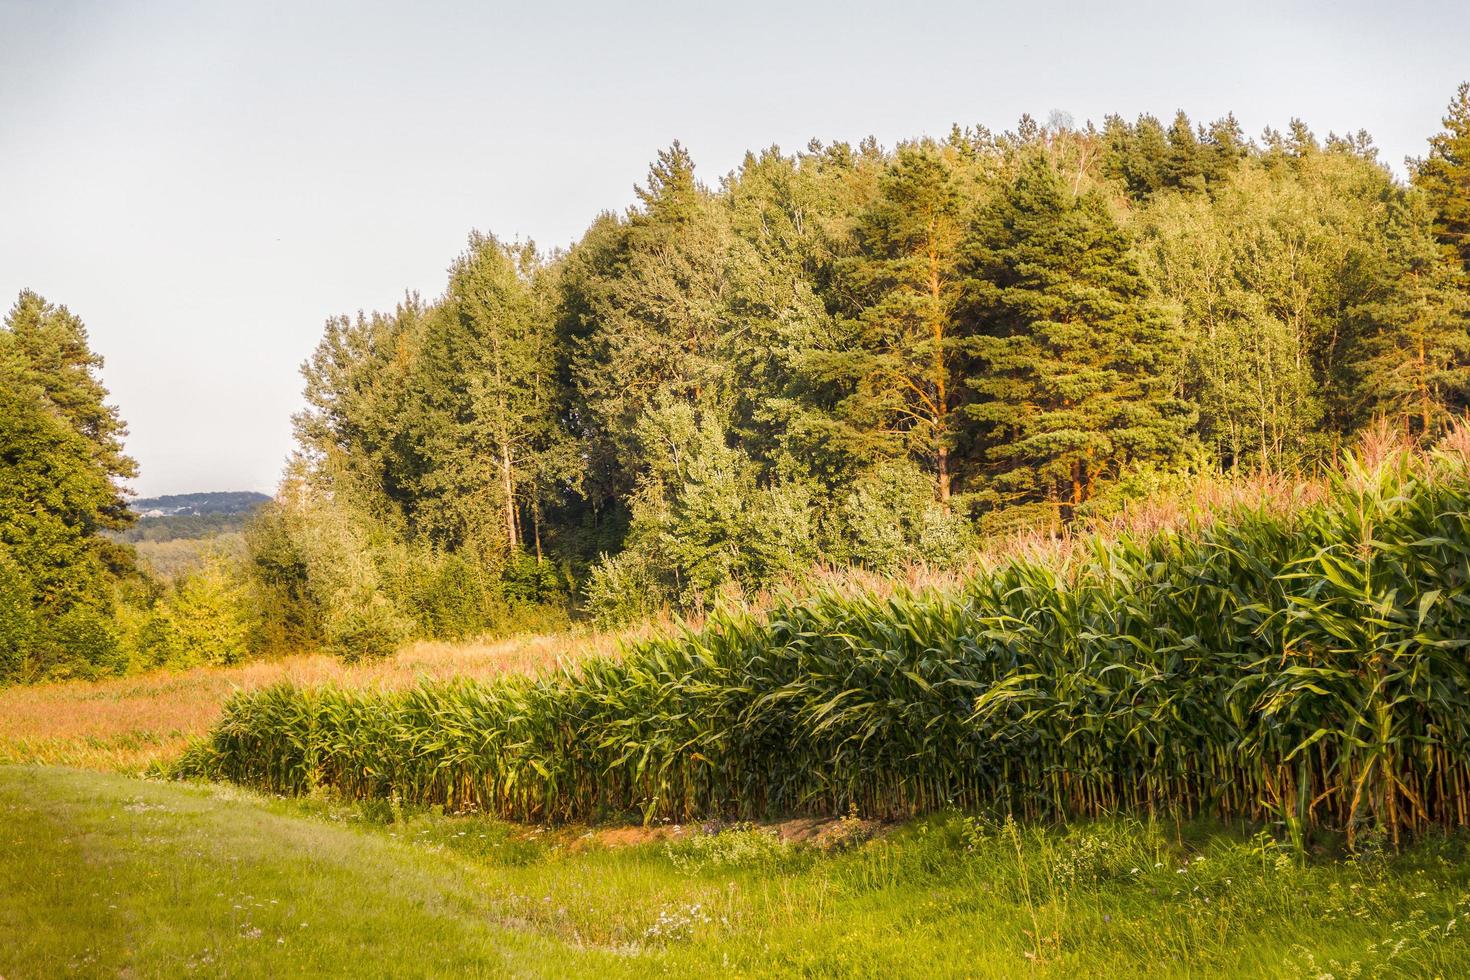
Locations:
column 126, row 724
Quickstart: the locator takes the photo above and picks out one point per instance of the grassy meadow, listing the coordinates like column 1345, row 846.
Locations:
column 126, row 877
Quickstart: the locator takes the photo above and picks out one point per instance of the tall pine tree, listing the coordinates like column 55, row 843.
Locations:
column 651, row 307
column 1444, row 177
column 1075, row 361
column 902, row 365
column 61, row 463
column 1414, row 358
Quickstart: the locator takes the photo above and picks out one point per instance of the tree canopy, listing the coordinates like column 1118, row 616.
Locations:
column 846, row 355
column 858, row 355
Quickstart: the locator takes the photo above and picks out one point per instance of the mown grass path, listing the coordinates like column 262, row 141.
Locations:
column 108, row 876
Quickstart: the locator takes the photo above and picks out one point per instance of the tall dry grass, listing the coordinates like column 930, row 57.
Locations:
column 127, row 724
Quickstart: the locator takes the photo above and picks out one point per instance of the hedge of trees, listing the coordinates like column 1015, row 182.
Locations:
column 852, row 355
column 847, row 355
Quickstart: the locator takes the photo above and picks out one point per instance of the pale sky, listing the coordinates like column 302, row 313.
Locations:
column 204, row 183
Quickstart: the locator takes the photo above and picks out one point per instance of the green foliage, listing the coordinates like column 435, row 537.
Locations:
column 890, row 518
column 1414, row 366
column 1444, row 176
column 701, row 522
column 1146, row 159
column 1147, row 482
column 325, row 575
column 359, row 629
column 726, row 386
column 1309, row 285
column 646, row 304
column 60, row 462
column 167, row 560
column 624, row 588
column 530, row 580
column 80, row 643
column 898, row 351
column 184, row 527
column 45, row 347
column 314, row 563
column 844, row 355
column 17, row 620
column 203, row 617
column 1076, row 361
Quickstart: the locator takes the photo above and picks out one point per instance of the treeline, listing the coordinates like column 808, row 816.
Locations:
column 852, row 355
column 189, row 527
column 847, row 356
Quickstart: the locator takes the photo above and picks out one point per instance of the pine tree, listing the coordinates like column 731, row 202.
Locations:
column 1225, row 148
column 1148, row 157
column 1075, row 361
column 61, row 458
column 50, row 347
column 1444, row 177
column 1414, row 363
column 651, row 302
column 787, row 217
column 901, row 370
column 802, row 408
column 1184, row 167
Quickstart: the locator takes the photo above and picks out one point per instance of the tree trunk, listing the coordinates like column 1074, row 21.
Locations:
column 508, row 486
column 536, row 522
column 941, row 388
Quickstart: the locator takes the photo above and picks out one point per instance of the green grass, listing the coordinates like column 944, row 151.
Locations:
column 104, row 875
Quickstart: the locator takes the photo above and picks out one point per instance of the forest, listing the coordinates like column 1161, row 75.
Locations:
column 849, row 357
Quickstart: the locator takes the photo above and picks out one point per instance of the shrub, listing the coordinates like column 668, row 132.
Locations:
column 530, row 580
column 17, row 622
column 203, row 617
column 623, row 588
column 365, row 627
column 80, row 643
column 742, row 846
column 890, row 518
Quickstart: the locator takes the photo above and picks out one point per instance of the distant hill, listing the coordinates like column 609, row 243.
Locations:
column 199, row 504
column 192, row 516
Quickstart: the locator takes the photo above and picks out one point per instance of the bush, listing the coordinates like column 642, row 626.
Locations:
column 740, row 847
column 17, row 622
column 530, row 580
column 80, row 643
column 623, row 588
column 325, row 576
column 890, row 518
column 368, row 628
column 203, row 617
column 442, row 595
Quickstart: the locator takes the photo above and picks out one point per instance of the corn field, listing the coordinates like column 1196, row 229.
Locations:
column 1308, row 668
